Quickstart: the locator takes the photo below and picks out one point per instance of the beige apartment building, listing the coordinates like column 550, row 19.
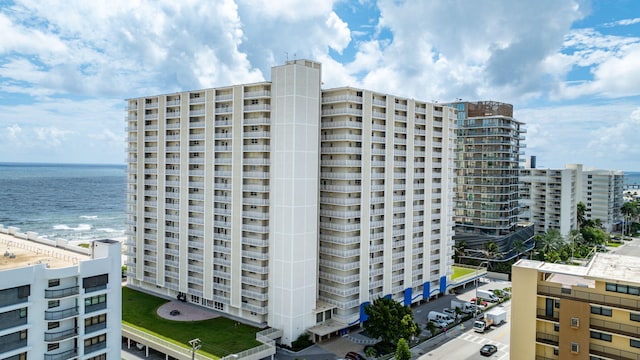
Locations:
column 287, row 205
column 576, row 312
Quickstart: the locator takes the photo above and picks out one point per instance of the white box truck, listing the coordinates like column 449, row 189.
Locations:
column 492, row 318
column 465, row 306
column 488, row 295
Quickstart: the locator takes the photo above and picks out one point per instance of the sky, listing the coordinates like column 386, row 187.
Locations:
column 571, row 68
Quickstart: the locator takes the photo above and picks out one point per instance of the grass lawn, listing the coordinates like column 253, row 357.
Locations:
column 219, row 336
column 613, row 244
column 461, row 271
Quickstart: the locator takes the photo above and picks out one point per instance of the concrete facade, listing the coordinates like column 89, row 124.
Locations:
column 576, row 312
column 60, row 311
column 288, row 205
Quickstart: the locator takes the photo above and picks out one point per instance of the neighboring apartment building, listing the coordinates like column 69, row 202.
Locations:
column 489, row 145
column 284, row 204
column 602, row 191
column 549, row 199
column 576, row 312
column 55, row 304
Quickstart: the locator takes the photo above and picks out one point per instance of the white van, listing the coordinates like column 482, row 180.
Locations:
column 488, row 295
column 434, row 315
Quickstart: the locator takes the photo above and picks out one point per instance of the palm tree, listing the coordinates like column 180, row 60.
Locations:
column 519, row 246
column 580, row 214
column 491, row 252
column 459, row 250
column 549, row 243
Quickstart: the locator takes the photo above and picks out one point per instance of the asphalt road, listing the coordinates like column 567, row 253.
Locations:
column 466, row 344
column 631, row 248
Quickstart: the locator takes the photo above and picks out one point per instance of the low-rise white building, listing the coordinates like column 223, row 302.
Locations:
column 59, row 304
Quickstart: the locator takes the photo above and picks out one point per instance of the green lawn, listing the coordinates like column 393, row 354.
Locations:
column 460, row 271
column 219, row 336
column 613, row 244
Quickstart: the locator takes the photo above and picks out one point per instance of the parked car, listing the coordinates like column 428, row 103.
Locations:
column 352, row 355
column 481, row 304
column 488, row 350
column 440, row 323
column 449, row 312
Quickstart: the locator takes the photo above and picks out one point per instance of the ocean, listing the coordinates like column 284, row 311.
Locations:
column 632, row 178
column 64, row 201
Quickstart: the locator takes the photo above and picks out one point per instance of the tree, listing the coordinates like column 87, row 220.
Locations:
column 371, row 352
column 547, row 244
column 388, row 321
column 593, row 235
column 431, row 327
column 581, row 214
column 519, row 247
column 459, row 250
column 491, row 251
column 402, row 351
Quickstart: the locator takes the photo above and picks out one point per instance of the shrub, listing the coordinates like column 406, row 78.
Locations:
column 302, row 342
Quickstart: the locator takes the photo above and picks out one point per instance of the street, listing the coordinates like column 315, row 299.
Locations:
column 466, row 344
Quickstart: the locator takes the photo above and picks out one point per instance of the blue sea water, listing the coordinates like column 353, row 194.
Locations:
column 632, row 178
column 64, row 201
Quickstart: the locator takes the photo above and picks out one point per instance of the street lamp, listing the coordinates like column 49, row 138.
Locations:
column 475, row 308
column 195, row 345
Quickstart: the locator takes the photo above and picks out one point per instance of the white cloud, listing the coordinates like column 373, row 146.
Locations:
column 597, row 135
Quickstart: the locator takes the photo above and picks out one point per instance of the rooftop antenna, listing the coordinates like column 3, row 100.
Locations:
column 287, row 55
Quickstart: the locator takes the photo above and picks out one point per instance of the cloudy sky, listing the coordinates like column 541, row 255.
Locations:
column 571, row 68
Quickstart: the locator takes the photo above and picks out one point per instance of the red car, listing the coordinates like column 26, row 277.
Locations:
column 352, row 355
column 481, row 303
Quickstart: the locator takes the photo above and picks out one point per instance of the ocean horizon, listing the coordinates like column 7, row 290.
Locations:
column 75, row 202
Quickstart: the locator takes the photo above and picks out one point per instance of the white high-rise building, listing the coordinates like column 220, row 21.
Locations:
column 602, row 191
column 56, row 304
column 287, row 205
column 549, row 199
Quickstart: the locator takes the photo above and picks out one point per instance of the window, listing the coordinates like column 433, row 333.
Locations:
column 634, row 317
column 94, row 283
column 557, row 304
column 600, row 336
column 575, row 347
column 556, row 351
column 623, row 289
column 599, row 310
column 53, row 304
column 556, row 327
column 53, row 346
column 98, row 357
column 53, row 325
column 54, row 282
column 634, row 343
column 575, row 322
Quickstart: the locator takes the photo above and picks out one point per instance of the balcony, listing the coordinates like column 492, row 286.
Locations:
column 614, row 327
column 69, row 354
column 61, row 314
column 587, row 296
column 612, row 353
column 547, row 339
column 60, row 335
column 60, row 293
column 95, row 347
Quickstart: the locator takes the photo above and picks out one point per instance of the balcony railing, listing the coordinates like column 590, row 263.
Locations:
column 62, row 356
column 547, row 338
column 60, row 293
column 61, row 314
column 95, row 327
column 586, row 296
column 614, row 327
column 612, row 353
column 60, row 335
